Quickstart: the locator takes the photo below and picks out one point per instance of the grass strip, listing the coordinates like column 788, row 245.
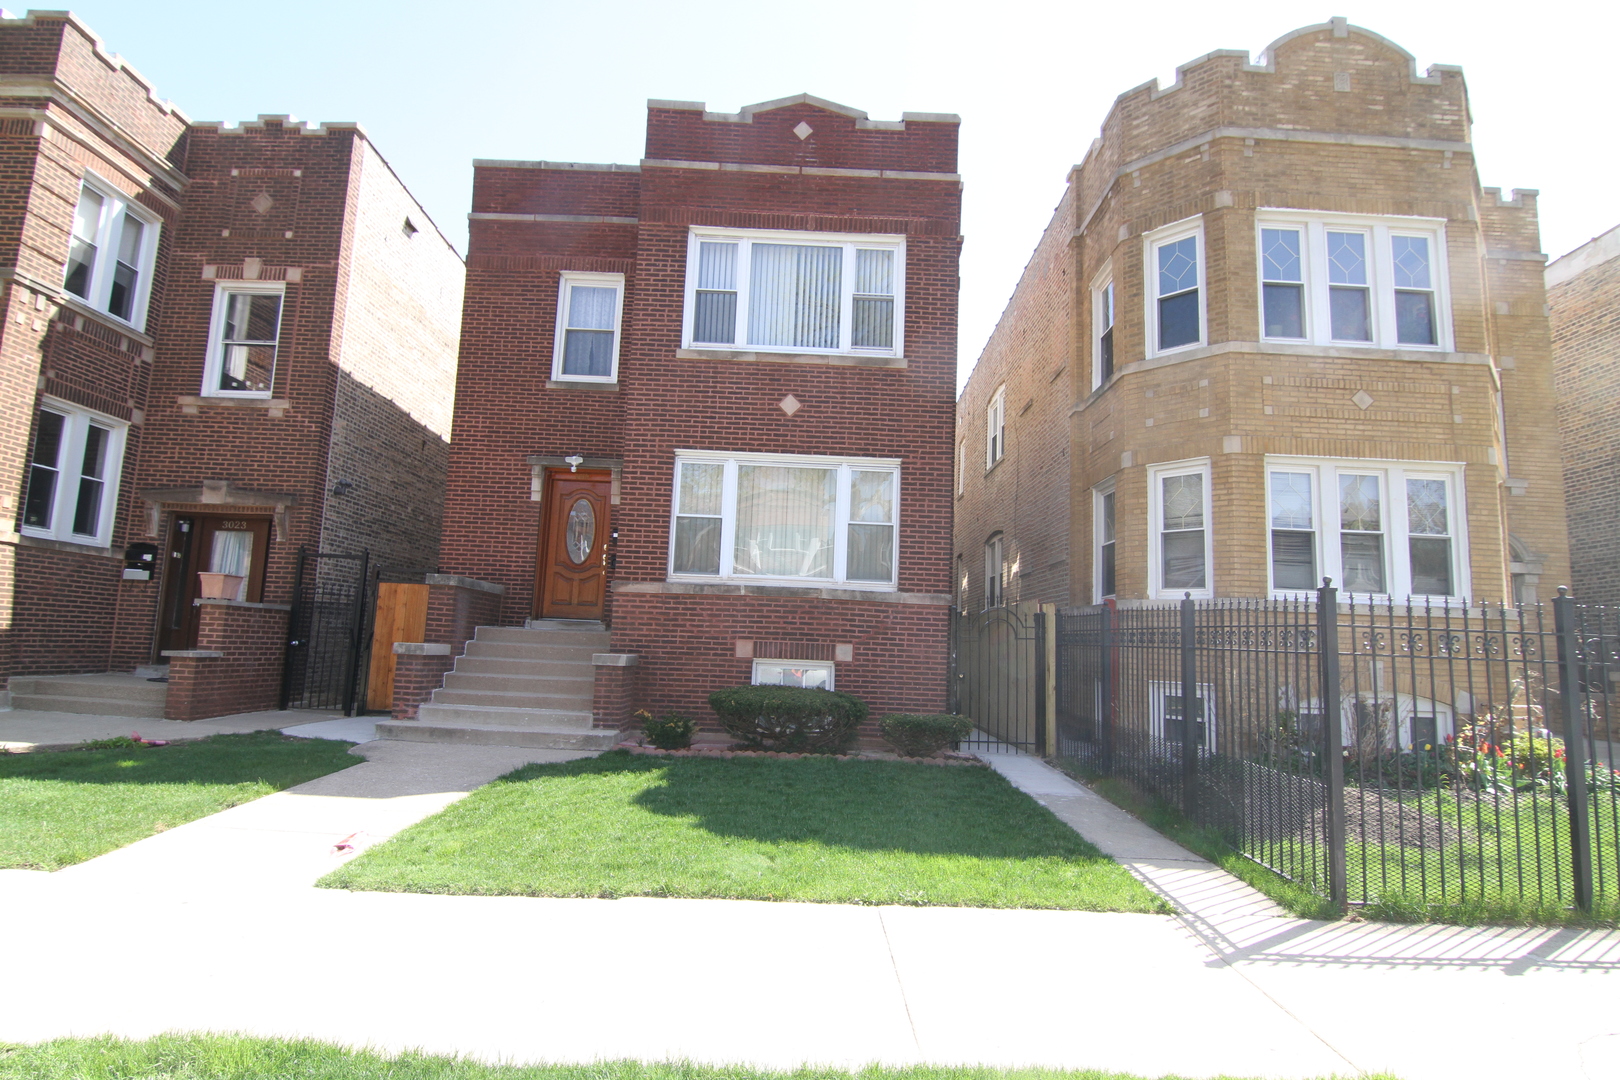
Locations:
column 810, row 829
column 61, row 807
column 239, row 1057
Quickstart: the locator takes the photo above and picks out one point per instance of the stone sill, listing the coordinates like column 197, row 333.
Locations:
column 609, row 659
column 464, row 583
column 693, row 588
column 420, row 648
column 224, row 602
column 194, row 654
column 276, row 407
column 838, row 360
column 572, row 384
column 67, row 546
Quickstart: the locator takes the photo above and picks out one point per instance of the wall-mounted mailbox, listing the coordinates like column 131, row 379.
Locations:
column 139, row 560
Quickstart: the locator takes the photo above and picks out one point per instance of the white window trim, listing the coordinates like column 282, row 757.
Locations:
column 961, row 467
column 1159, row 710
column 1098, row 494
column 1155, row 474
column 1314, row 227
column 115, row 203
column 808, row 665
column 1099, row 290
column 841, row 520
column 1393, row 475
column 559, row 341
column 995, row 428
column 996, row 545
column 848, row 241
column 70, row 461
column 216, row 336
column 1151, row 242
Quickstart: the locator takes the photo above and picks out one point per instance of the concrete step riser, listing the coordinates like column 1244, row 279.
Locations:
column 144, row 710
column 516, row 635
column 566, row 624
column 519, row 684
column 563, row 702
column 493, row 665
column 558, row 719
column 501, row 650
column 154, row 693
column 420, row 731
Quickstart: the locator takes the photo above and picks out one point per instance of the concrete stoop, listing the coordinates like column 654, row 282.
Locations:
column 95, row 695
column 531, row 686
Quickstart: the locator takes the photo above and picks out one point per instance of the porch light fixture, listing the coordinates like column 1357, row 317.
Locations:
column 574, row 462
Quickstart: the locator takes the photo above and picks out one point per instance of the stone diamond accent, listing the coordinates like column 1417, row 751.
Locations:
column 262, row 202
column 803, row 131
column 1362, row 399
column 790, row 405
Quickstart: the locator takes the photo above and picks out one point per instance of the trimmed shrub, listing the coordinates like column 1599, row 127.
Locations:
column 672, row 731
column 922, row 734
column 792, row 719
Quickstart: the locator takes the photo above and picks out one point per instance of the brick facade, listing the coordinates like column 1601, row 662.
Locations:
column 533, row 220
column 1335, row 123
column 1583, row 290
column 419, row 670
column 350, row 447
column 236, row 666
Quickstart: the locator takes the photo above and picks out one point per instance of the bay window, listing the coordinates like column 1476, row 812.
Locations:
column 1102, row 504
column 111, row 248
column 1375, row 281
column 781, row 518
column 1102, row 303
column 1178, row 516
column 791, row 291
column 1376, row 528
column 73, row 475
column 1175, row 268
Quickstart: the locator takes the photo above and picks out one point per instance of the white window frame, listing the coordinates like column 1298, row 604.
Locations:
column 745, row 238
column 1314, row 227
column 1397, row 554
column 805, row 665
column 1159, row 693
column 841, row 519
column 1099, row 495
column 995, row 428
column 216, row 336
column 570, row 278
column 995, row 570
column 961, row 467
column 114, row 204
column 1103, row 295
column 1151, row 243
column 69, row 462
column 1155, row 475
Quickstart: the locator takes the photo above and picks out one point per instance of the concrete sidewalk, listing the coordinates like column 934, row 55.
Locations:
column 215, row 926
column 33, row 729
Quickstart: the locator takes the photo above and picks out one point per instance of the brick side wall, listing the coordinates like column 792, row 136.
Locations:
column 416, row 676
column 615, row 696
column 455, row 612
column 247, row 678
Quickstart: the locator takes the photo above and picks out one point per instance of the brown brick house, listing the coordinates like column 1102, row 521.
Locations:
column 1583, row 290
column 706, row 400
column 1275, row 332
column 220, row 345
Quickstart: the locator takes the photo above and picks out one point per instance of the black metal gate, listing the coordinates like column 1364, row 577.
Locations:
column 998, row 677
column 326, row 631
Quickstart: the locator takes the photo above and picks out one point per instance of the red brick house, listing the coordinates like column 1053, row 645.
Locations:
column 219, row 345
column 707, row 401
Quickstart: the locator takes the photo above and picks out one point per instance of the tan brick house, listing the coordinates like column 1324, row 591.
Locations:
column 1275, row 332
column 220, row 344
column 1583, row 291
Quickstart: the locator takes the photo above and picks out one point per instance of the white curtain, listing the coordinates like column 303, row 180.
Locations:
column 233, row 554
column 785, row 521
column 794, row 295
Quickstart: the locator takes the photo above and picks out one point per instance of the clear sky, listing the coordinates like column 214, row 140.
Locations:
column 438, row 85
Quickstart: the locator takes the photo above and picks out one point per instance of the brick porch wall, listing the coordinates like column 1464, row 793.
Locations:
column 236, row 667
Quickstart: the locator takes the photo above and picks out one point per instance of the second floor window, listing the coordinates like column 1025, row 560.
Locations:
column 1104, row 302
column 799, row 292
column 110, row 253
column 242, row 346
column 1175, row 269
column 995, row 428
column 589, row 311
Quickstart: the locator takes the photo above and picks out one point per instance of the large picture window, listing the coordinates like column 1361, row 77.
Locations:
column 242, row 342
column 110, row 252
column 1376, row 528
column 783, row 518
column 589, row 312
column 1352, row 281
column 73, row 472
column 1178, row 514
column 795, row 292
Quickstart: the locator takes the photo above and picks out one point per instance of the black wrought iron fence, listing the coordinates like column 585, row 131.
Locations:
column 1399, row 752
column 326, row 631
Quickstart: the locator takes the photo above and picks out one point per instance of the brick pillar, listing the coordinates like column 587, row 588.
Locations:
column 236, row 667
column 419, row 669
column 616, row 690
column 458, row 606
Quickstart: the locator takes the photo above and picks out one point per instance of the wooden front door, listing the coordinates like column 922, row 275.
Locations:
column 574, row 528
column 220, row 543
column 401, row 616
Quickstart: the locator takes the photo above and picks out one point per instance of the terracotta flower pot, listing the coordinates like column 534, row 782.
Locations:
column 220, row 586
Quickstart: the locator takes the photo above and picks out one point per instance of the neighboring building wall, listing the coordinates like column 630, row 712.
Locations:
column 1583, row 289
column 396, row 354
column 1334, row 121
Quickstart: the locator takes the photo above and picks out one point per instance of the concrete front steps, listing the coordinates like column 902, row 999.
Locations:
column 94, row 695
column 531, row 686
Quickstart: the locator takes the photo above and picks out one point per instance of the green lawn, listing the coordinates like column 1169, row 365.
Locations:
column 65, row 806
column 815, row 829
column 237, row 1057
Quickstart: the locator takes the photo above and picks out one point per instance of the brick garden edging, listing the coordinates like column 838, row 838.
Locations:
column 653, row 751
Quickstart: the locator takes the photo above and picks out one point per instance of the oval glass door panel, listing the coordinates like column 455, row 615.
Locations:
column 581, row 531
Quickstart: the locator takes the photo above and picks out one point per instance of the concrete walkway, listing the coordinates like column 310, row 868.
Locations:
column 215, row 926
column 33, row 729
